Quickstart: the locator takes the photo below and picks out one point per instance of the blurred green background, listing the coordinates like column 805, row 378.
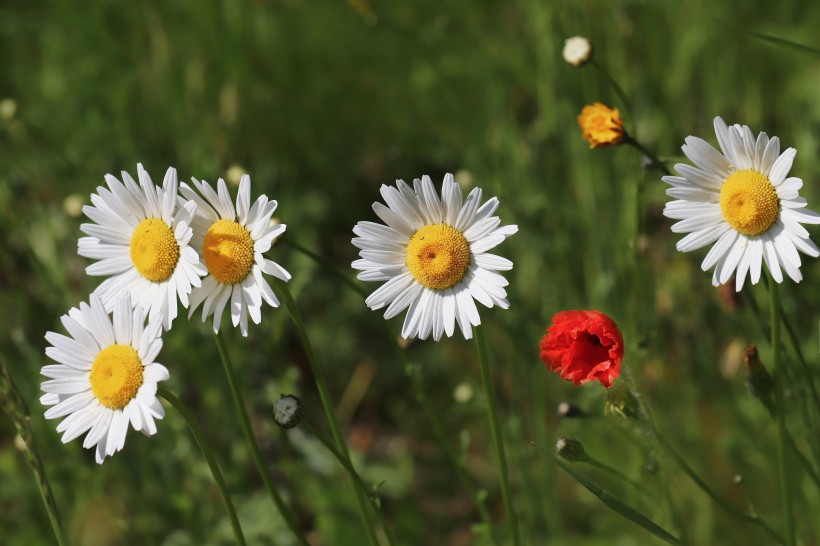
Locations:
column 322, row 102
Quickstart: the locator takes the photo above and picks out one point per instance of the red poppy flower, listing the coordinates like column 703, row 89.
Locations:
column 583, row 346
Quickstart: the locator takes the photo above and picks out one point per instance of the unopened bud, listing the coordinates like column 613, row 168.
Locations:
column 570, row 449
column 577, row 50
column 287, row 411
column 738, row 479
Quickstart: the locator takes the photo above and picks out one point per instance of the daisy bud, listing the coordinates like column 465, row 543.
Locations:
column 287, row 411
column 738, row 479
column 577, row 51
column 568, row 410
column 570, row 448
column 758, row 380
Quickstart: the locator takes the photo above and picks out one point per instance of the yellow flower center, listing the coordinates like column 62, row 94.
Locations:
column 749, row 202
column 116, row 376
column 154, row 250
column 601, row 125
column 228, row 251
column 438, row 256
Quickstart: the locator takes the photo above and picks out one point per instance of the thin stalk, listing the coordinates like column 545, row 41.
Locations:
column 452, row 457
column 618, row 90
column 798, row 353
column 209, row 457
column 318, row 259
column 617, row 473
column 371, row 496
column 618, row 505
column 253, row 446
column 13, row 404
column 285, row 296
column 495, row 429
column 681, row 462
column 628, row 139
column 429, row 411
column 780, row 404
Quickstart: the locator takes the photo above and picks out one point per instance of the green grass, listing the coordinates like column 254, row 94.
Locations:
column 322, row 104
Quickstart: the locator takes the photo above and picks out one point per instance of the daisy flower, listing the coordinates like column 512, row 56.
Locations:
column 741, row 199
column 141, row 241
column 433, row 255
column 106, row 376
column 232, row 242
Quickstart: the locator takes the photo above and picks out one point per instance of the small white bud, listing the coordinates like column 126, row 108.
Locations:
column 287, row 411
column 577, row 50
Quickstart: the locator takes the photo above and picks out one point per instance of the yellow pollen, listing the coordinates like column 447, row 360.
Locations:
column 438, row 256
column 749, row 202
column 116, row 376
column 228, row 251
column 154, row 250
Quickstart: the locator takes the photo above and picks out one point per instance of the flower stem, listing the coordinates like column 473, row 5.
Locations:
column 618, row 505
column 285, row 296
column 618, row 90
column 780, row 404
column 363, row 488
column 13, row 404
column 250, row 440
column 495, row 429
column 629, row 139
column 438, row 431
column 681, row 462
column 206, row 452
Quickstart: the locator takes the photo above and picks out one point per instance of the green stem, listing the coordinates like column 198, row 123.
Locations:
column 618, row 90
column 206, row 452
column 441, row 437
column 415, row 376
column 618, row 474
column 681, row 462
column 253, row 446
column 342, row 276
column 371, row 495
column 285, row 296
column 780, row 404
column 495, row 429
column 618, row 505
column 798, row 353
column 628, row 139
column 14, row 405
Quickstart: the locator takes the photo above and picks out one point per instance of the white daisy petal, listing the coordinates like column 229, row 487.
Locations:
column 232, row 243
column 432, row 255
column 86, row 398
column 782, row 166
column 140, row 240
column 744, row 202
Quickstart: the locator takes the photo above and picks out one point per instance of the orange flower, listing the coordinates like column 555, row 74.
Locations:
column 601, row 125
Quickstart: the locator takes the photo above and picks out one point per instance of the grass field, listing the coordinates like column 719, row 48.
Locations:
column 322, row 103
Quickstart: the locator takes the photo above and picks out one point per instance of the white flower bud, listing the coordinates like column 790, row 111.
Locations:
column 577, row 50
